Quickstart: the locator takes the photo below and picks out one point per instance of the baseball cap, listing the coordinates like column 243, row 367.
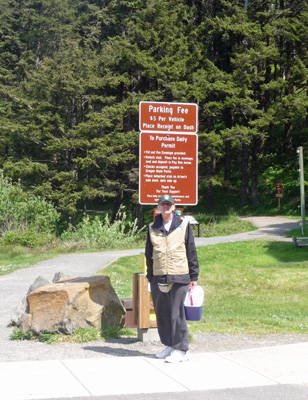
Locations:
column 165, row 197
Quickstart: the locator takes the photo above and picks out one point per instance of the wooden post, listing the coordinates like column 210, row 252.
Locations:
column 143, row 310
column 144, row 302
column 135, row 299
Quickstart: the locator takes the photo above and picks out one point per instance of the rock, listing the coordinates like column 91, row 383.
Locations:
column 22, row 306
column 60, row 276
column 72, row 304
column 18, row 312
column 39, row 282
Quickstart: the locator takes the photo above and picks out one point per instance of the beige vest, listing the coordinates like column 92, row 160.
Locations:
column 169, row 251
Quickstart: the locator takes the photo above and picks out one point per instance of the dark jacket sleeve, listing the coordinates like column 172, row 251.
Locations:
column 191, row 253
column 149, row 257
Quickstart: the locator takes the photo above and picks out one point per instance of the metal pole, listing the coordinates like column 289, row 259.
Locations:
column 302, row 187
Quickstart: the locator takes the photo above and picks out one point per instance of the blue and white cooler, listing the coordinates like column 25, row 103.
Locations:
column 193, row 303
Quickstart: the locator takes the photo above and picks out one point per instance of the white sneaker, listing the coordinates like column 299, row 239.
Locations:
column 165, row 353
column 177, row 356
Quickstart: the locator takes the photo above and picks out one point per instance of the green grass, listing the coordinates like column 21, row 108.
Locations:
column 13, row 257
column 253, row 287
column 121, row 274
column 298, row 232
column 211, row 226
column 80, row 336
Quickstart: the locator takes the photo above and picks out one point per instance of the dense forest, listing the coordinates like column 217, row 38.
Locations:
column 72, row 74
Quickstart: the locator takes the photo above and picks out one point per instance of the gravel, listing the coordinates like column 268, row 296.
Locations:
column 125, row 347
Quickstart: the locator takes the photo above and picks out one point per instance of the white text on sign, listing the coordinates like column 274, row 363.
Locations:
column 168, row 117
column 168, row 165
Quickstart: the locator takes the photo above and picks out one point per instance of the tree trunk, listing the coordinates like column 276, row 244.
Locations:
column 73, row 113
column 227, row 165
column 71, row 219
column 210, row 173
column 133, row 209
column 254, row 174
column 140, row 222
column 287, row 141
column 228, row 153
column 244, row 174
column 116, row 204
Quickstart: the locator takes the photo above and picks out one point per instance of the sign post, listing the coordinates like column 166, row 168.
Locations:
column 302, row 188
column 279, row 193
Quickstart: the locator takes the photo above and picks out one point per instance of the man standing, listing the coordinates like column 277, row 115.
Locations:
column 172, row 266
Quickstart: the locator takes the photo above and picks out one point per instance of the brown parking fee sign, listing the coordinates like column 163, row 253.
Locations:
column 168, row 117
column 168, row 165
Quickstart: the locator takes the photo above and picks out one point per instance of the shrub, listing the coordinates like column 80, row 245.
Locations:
column 222, row 225
column 95, row 233
column 27, row 237
column 24, row 216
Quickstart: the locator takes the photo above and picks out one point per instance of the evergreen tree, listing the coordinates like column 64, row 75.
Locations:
column 72, row 75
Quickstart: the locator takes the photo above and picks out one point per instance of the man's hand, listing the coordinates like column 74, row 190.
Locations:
column 192, row 285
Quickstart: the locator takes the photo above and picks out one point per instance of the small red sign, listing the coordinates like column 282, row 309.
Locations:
column 278, row 186
column 279, row 195
column 168, row 117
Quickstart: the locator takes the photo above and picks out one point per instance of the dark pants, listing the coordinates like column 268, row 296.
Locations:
column 170, row 315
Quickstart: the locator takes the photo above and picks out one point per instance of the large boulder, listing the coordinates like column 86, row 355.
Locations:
column 21, row 308
column 72, row 304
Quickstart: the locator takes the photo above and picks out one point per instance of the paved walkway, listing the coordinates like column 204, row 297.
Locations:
column 38, row 371
column 262, row 367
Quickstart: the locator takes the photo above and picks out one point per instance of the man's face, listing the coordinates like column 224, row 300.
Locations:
column 166, row 208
